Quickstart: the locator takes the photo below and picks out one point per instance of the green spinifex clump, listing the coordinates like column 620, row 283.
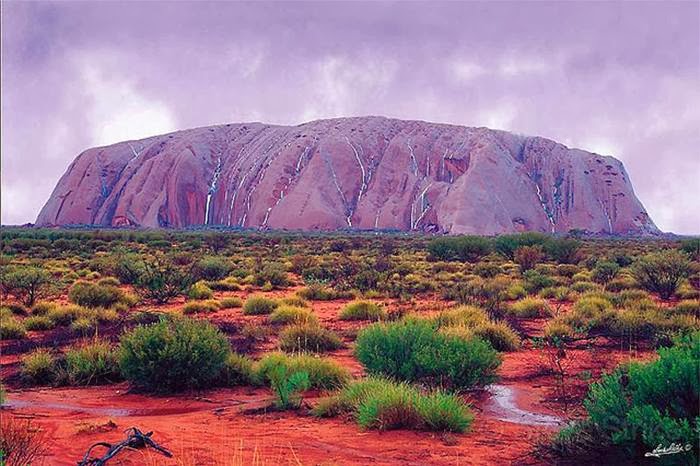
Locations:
column 413, row 350
column 173, row 354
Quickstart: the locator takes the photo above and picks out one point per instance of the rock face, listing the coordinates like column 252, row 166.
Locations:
column 365, row 173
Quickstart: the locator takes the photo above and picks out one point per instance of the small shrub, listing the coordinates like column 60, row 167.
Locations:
column 212, row 268
column 688, row 307
column 323, row 373
column 286, row 385
column 200, row 291
column 38, row 367
column 230, row 302
column 413, row 351
column 527, row 257
column 272, row 274
column 644, row 405
column 604, row 271
column 382, row 404
column 535, row 281
column 12, row 329
column 21, row 443
column 93, row 295
column 461, row 248
column 173, row 355
column 661, row 272
column 259, row 305
column 238, row 370
column 38, row 323
column 108, row 281
column 89, row 363
column 530, row 307
column 26, row 284
column 295, row 301
column 292, row 315
column 83, row 325
column 308, row 337
column 363, row 310
column 42, row 308
column 196, row 307
column 317, row 292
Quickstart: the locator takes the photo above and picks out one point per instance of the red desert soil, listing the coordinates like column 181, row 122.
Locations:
column 227, row 426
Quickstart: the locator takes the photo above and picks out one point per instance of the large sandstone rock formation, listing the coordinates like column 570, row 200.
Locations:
column 366, row 173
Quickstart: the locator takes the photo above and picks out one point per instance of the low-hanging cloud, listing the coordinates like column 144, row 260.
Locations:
column 590, row 75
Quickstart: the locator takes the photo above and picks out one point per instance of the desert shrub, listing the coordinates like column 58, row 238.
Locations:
column 692, row 248
column 272, row 273
column 469, row 321
column 108, row 281
column 323, row 373
column 413, row 351
column 556, row 330
column 227, row 284
column 21, row 443
column 196, row 307
column 530, row 307
column 42, row 308
column 89, row 363
column 295, row 301
column 230, row 302
column 498, row 334
column 16, row 309
column 287, row 385
column 84, row 325
column 560, row 293
column 200, row 290
column 604, row 271
column 26, row 284
column 212, row 268
column 363, row 310
column 506, row 245
column 644, row 405
column 308, row 337
column 516, row 291
column 686, row 291
column 487, row 269
column 317, row 292
column 661, row 272
column 12, row 329
column 160, row 280
column 527, row 257
column 535, row 281
column 567, row 270
column 92, row 295
column 564, row 250
column 259, row 305
column 38, row 367
column 292, row 315
column 382, row 404
column 620, row 283
column 173, row 355
column 584, row 287
column 460, row 248
column 591, row 304
column 238, row 370
column 64, row 315
column 689, row 307
column 38, row 323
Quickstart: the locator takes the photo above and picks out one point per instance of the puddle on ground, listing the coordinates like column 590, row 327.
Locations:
column 501, row 404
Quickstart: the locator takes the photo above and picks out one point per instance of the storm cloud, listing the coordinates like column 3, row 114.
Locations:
column 619, row 79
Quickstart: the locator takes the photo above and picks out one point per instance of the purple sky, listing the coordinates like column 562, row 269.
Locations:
column 615, row 78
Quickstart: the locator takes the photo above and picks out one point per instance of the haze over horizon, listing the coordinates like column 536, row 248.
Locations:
column 618, row 79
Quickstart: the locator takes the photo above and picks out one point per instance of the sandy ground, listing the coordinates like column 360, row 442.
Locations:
column 227, row 426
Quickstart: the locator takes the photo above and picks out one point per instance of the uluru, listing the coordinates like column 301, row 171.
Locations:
column 349, row 173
